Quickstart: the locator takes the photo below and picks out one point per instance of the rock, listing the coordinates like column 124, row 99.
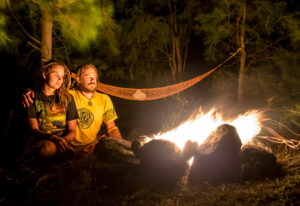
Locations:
column 258, row 163
column 218, row 158
column 115, row 165
column 162, row 162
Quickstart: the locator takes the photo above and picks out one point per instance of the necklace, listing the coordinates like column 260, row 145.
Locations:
column 52, row 102
column 89, row 97
column 53, row 107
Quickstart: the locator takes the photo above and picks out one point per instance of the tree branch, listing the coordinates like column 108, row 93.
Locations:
column 24, row 30
column 34, row 46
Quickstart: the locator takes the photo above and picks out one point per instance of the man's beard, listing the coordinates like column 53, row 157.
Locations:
column 84, row 89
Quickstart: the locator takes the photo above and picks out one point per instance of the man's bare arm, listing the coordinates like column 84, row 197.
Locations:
column 113, row 130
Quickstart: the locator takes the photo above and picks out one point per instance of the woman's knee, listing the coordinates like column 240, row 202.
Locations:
column 47, row 149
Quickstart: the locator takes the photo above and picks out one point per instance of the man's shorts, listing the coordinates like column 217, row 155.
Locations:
column 88, row 149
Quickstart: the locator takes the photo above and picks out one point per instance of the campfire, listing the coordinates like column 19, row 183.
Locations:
column 248, row 126
column 197, row 129
column 215, row 149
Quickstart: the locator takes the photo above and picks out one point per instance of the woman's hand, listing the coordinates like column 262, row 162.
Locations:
column 61, row 144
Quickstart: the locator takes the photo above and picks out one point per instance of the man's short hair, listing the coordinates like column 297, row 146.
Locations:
column 84, row 67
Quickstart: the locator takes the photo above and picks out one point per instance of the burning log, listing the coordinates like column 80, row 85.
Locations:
column 258, row 163
column 115, row 151
column 137, row 145
column 162, row 162
column 189, row 149
column 218, row 158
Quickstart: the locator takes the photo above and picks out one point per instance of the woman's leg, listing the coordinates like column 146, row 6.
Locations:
column 47, row 148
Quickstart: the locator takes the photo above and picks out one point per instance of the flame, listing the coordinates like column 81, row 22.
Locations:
column 248, row 125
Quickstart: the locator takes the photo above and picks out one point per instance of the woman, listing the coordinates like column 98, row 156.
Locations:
column 52, row 116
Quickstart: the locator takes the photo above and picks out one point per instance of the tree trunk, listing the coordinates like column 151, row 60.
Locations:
column 242, row 58
column 179, row 58
column 46, row 45
column 176, row 58
column 177, row 41
column 172, row 58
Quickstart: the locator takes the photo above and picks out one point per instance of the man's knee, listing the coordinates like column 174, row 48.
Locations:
column 47, row 149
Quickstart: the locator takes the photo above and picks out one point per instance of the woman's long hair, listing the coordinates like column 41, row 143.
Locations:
column 62, row 95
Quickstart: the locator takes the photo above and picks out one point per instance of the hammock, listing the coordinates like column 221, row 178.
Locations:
column 153, row 93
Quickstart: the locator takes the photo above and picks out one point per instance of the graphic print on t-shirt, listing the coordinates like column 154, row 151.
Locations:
column 86, row 118
column 51, row 119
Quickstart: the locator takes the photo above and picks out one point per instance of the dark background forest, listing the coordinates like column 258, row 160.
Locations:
column 147, row 44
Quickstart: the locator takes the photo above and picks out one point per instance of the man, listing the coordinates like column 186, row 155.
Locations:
column 93, row 109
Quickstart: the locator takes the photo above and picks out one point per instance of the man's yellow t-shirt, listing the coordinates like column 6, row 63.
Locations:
column 92, row 113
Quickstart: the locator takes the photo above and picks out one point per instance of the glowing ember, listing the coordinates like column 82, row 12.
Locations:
column 198, row 129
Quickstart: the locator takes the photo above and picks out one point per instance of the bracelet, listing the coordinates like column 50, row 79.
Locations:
column 112, row 129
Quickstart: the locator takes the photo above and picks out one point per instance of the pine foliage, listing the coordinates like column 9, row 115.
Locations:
column 77, row 21
column 5, row 40
column 272, row 45
column 268, row 26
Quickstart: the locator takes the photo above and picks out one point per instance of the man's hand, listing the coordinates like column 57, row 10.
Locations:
column 28, row 97
column 61, row 144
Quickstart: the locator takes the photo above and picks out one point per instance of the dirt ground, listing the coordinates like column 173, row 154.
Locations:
column 108, row 181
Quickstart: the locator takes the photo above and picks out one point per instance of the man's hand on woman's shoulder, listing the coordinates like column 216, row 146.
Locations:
column 28, row 97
